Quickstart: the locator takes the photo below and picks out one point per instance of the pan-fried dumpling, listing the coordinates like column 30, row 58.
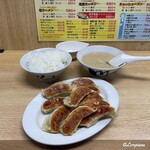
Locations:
column 51, row 104
column 52, row 122
column 82, row 82
column 94, row 88
column 91, row 97
column 71, row 123
column 56, row 89
column 103, row 109
column 76, row 96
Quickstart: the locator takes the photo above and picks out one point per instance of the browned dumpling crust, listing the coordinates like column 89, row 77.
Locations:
column 82, row 82
column 76, row 96
column 51, row 104
column 57, row 117
column 103, row 109
column 91, row 97
column 53, row 121
column 71, row 123
column 56, row 89
column 94, row 88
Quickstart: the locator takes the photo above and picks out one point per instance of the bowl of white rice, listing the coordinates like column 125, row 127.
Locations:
column 46, row 63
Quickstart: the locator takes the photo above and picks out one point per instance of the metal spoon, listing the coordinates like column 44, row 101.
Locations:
column 124, row 59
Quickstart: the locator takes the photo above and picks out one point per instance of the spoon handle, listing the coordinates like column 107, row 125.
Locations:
column 124, row 58
column 128, row 59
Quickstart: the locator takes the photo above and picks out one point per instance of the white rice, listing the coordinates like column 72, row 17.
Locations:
column 49, row 61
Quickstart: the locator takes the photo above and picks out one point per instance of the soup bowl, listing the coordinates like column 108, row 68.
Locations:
column 97, row 71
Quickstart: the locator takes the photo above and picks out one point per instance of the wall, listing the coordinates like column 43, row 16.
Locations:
column 18, row 29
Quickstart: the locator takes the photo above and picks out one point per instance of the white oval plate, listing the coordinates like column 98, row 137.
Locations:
column 33, row 118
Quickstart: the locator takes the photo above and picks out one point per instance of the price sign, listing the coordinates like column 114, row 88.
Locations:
column 93, row 20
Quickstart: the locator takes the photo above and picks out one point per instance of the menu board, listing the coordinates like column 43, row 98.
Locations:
column 93, row 20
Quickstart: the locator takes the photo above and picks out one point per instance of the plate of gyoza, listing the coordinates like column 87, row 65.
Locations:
column 70, row 111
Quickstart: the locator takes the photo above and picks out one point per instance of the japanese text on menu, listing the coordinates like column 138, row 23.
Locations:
column 93, row 20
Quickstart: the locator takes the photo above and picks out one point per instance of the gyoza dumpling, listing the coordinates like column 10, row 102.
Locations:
column 91, row 97
column 82, row 82
column 103, row 109
column 56, row 89
column 52, row 122
column 76, row 96
column 71, row 123
column 51, row 104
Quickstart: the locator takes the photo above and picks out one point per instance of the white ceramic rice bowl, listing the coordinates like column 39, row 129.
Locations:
column 45, row 76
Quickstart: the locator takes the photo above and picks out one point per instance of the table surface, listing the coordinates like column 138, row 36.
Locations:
column 18, row 88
